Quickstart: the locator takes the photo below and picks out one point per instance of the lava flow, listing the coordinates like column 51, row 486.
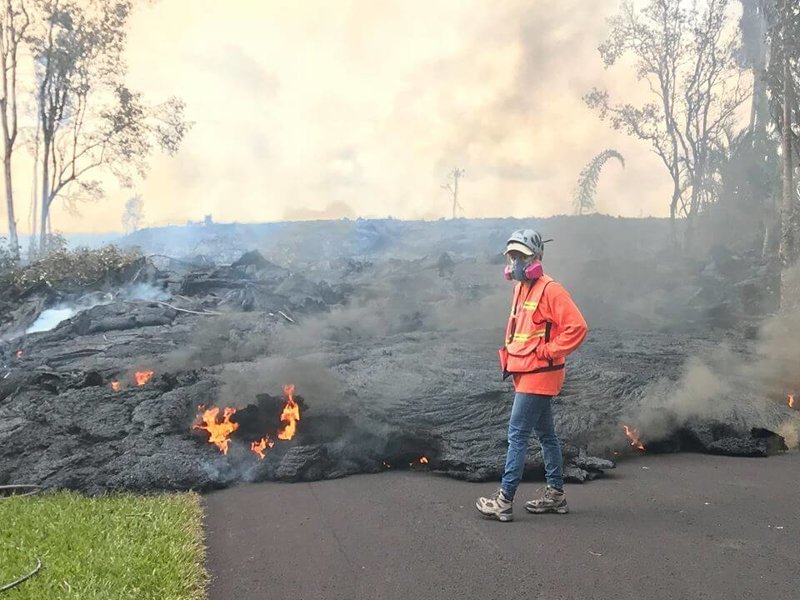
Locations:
column 115, row 386
column 792, row 401
column 219, row 430
column 633, row 436
column 290, row 414
column 143, row 377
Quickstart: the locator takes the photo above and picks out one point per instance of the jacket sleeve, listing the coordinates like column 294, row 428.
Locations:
column 571, row 324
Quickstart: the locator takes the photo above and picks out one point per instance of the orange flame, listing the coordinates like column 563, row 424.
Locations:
column 115, row 386
column 791, row 401
column 633, row 436
column 143, row 377
column 423, row 460
column 19, row 353
column 261, row 445
column 219, row 431
column 290, row 414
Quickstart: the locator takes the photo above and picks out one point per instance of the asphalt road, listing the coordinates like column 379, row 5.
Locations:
column 662, row 527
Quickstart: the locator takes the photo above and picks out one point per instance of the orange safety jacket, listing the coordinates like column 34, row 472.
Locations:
column 543, row 328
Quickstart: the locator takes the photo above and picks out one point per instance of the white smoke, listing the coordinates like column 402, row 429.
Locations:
column 52, row 317
column 749, row 385
column 143, row 291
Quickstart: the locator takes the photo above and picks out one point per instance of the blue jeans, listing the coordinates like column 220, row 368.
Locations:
column 532, row 413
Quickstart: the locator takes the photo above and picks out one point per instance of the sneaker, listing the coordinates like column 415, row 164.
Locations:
column 496, row 507
column 553, row 501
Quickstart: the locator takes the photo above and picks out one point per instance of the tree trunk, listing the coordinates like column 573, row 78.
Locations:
column 673, row 212
column 455, row 194
column 13, row 240
column 754, row 102
column 788, row 249
column 759, row 107
column 46, row 200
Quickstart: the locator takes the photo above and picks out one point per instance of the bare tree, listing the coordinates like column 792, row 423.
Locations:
column 91, row 122
column 583, row 198
column 133, row 215
column 754, row 50
column 783, row 82
column 788, row 250
column 452, row 187
column 14, row 21
column 686, row 57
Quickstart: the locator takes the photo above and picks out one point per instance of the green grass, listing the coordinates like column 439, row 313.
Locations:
column 107, row 548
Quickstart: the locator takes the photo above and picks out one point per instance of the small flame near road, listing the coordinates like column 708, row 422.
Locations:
column 220, row 427
column 142, row 377
column 423, row 460
column 260, row 447
column 633, row 435
column 792, row 402
column 290, row 414
column 219, row 430
column 115, row 386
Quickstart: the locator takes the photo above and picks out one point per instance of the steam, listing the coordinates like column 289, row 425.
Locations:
column 50, row 318
column 240, row 383
column 220, row 340
column 143, row 291
column 752, row 383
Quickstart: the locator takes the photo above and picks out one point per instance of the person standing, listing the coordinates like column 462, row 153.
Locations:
column 544, row 327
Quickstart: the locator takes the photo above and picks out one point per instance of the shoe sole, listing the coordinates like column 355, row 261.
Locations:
column 561, row 510
column 495, row 516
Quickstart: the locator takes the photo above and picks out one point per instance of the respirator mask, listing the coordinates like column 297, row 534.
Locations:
column 523, row 270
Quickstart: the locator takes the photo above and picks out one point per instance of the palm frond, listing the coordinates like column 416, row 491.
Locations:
column 586, row 188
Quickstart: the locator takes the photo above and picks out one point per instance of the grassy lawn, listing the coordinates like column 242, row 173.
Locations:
column 121, row 546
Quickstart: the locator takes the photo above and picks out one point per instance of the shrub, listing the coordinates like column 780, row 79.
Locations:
column 6, row 258
column 64, row 269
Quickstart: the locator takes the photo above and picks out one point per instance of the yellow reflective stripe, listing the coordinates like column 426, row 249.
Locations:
column 530, row 305
column 524, row 337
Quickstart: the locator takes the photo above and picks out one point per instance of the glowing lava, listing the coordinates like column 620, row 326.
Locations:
column 261, row 446
column 19, row 353
column 115, row 386
column 423, row 460
column 791, row 401
column 219, row 430
column 290, row 414
column 143, row 377
column 633, row 436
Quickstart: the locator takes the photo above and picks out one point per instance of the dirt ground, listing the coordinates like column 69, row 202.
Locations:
column 681, row 526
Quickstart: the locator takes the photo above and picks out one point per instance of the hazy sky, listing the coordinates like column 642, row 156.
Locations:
column 319, row 109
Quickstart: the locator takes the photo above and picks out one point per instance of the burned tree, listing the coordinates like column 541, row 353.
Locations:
column 754, row 54
column 783, row 82
column 14, row 21
column 687, row 59
column 452, row 187
column 91, row 122
column 583, row 199
column 133, row 215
